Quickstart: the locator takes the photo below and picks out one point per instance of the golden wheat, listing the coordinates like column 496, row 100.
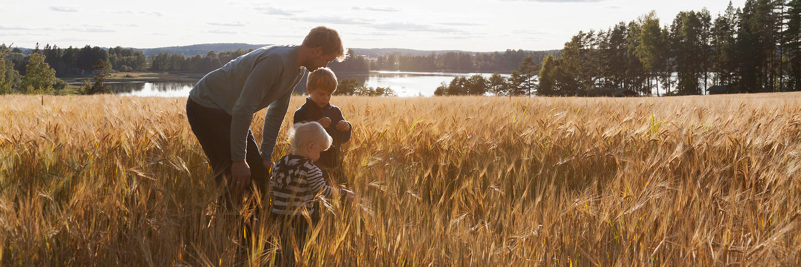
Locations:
column 482, row 181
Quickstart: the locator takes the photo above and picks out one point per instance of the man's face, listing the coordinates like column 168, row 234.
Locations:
column 320, row 59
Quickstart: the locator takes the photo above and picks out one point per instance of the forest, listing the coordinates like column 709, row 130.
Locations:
column 752, row 49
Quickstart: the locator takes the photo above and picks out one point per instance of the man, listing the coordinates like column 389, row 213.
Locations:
column 221, row 105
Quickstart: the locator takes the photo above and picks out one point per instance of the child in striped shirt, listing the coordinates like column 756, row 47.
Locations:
column 296, row 182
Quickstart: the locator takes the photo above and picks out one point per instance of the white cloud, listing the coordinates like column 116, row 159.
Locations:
column 277, row 11
column 63, row 9
column 377, row 9
column 335, row 20
column 227, row 24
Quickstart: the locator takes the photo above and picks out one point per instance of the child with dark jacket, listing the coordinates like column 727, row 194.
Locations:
column 320, row 85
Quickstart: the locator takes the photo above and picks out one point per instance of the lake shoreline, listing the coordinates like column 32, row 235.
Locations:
column 139, row 77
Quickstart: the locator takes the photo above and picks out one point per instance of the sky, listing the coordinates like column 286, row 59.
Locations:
column 468, row 25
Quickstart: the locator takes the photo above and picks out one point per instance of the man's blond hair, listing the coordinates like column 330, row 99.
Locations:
column 322, row 79
column 304, row 133
column 328, row 39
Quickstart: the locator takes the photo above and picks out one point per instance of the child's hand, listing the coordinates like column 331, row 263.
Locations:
column 343, row 126
column 325, row 122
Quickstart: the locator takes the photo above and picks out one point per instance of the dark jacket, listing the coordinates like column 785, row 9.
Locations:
column 310, row 112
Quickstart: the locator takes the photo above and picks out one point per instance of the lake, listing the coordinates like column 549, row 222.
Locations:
column 403, row 83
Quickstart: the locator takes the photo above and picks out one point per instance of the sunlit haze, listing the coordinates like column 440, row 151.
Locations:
column 470, row 25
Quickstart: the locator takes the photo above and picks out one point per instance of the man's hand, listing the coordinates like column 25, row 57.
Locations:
column 325, row 122
column 343, row 126
column 240, row 176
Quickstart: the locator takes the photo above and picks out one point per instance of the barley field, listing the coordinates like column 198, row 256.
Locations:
column 442, row 181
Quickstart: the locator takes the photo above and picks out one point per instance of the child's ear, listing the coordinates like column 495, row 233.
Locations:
column 310, row 146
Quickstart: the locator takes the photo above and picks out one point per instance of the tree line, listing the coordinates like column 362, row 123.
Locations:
column 452, row 61
column 753, row 49
column 756, row 48
column 91, row 61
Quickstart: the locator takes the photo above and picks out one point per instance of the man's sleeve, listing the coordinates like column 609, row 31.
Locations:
column 261, row 79
column 272, row 124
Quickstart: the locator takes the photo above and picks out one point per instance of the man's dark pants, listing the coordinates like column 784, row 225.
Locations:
column 212, row 127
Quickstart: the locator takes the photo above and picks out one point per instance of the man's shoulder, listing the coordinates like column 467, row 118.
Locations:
column 276, row 54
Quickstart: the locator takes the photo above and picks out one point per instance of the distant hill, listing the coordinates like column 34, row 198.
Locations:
column 199, row 49
column 377, row 52
column 202, row 49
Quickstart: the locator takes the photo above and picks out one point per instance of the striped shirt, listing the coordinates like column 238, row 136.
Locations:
column 295, row 183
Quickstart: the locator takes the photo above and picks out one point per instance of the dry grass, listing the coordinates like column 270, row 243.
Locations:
column 106, row 180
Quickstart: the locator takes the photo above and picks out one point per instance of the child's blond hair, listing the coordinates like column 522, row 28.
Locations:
column 322, row 79
column 304, row 133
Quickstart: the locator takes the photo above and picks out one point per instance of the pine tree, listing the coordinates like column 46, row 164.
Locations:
column 688, row 43
column 635, row 78
column 102, row 69
column 496, row 83
column 528, row 70
column 792, row 39
column 651, row 48
column 547, row 84
column 7, row 72
column 723, row 46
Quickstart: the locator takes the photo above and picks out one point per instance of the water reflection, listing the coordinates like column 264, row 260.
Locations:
column 161, row 89
column 403, row 83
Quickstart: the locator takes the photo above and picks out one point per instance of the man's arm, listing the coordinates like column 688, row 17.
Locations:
column 272, row 124
column 261, row 79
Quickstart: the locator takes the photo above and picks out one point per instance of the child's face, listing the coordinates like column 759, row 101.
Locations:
column 320, row 97
column 313, row 151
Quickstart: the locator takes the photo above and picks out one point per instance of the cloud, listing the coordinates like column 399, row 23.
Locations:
column 530, row 32
column 402, row 26
column 277, row 11
column 335, row 20
column 63, row 9
column 141, row 13
column 372, row 34
column 221, row 32
column 16, row 28
column 227, row 24
column 377, row 9
column 89, row 28
column 152, row 13
column 460, row 24
column 558, row 1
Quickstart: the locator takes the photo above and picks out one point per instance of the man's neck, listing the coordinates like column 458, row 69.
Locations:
column 303, row 55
